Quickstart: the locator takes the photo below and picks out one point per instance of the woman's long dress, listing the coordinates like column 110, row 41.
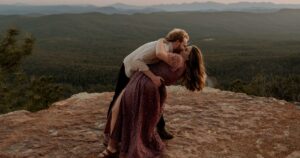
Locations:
column 140, row 110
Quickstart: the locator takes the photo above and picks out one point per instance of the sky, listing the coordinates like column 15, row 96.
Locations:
column 132, row 2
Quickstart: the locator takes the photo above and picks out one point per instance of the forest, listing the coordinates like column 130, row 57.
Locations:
column 254, row 53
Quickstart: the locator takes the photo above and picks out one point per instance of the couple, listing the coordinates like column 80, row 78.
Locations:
column 135, row 125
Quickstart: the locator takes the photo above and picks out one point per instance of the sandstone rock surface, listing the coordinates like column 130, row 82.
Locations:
column 208, row 124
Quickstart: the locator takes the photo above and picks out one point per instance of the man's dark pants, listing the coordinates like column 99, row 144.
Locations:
column 121, row 84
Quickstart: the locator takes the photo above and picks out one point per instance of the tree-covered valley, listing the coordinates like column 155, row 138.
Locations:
column 254, row 53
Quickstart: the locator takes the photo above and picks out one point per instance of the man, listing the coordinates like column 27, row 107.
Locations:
column 149, row 53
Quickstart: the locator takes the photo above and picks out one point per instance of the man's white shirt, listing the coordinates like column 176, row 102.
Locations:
column 139, row 58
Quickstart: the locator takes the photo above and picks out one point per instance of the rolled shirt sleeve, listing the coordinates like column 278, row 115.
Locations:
column 140, row 65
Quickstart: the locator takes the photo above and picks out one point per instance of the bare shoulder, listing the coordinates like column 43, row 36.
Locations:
column 175, row 60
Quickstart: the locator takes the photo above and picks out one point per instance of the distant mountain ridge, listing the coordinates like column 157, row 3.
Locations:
column 120, row 8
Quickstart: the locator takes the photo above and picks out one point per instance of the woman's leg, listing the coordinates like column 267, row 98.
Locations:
column 121, row 84
column 115, row 112
column 112, row 144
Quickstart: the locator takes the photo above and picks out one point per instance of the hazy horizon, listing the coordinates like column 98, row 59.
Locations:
column 133, row 2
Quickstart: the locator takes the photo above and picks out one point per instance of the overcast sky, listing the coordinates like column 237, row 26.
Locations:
column 133, row 2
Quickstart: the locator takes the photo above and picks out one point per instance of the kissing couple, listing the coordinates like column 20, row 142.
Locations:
column 135, row 124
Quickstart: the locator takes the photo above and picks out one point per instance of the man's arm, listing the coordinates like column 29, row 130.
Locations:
column 167, row 57
column 156, row 79
column 161, row 52
column 143, row 67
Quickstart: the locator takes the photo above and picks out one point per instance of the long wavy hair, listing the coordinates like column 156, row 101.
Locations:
column 194, row 76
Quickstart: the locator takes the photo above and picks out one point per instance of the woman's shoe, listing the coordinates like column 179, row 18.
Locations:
column 108, row 154
column 164, row 135
column 105, row 144
column 106, row 140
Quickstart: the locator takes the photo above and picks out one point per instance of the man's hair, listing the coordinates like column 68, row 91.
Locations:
column 177, row 34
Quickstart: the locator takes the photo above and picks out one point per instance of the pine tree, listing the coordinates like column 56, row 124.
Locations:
column 18, row 90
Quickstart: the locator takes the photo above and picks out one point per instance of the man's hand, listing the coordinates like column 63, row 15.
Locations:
column 157, row 80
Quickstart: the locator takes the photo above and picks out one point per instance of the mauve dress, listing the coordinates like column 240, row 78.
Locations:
column 140, row 110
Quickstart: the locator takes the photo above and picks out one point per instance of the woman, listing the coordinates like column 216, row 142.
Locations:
column 137, row 110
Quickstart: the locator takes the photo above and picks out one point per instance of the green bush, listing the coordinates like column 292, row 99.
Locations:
column 18, row 90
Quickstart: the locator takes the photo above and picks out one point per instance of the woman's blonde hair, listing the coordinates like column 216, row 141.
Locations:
column 194, row 76
column 177, row 34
